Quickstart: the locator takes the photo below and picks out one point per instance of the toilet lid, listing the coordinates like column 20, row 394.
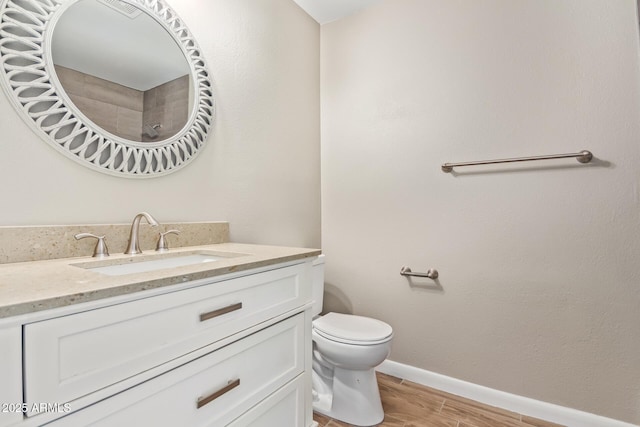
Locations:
column 351, row 328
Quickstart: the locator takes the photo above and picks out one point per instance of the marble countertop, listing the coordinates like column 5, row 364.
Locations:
column 27, row 287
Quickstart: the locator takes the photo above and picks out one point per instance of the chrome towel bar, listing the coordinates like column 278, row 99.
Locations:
column 583, row 157
column 432, row 273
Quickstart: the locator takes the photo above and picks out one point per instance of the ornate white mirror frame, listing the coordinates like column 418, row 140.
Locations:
column 29, row 79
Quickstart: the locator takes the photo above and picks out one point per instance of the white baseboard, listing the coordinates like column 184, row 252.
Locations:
column 522, row 405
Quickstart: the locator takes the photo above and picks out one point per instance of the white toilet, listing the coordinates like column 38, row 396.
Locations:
column 346, row 349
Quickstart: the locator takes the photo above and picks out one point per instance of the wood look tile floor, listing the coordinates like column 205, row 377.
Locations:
column 408, row 404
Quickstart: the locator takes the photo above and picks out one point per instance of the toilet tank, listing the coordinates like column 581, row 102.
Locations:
column 317, row 293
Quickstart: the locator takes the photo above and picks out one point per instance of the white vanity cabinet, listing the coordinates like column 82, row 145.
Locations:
column 231, row 351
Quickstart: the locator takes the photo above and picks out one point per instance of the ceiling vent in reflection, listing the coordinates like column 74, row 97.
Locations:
column 126, row 9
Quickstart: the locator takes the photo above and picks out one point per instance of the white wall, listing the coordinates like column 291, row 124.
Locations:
column 260, row 170
column 540, row 289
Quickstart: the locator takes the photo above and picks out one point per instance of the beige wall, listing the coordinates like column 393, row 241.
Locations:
column 538, row 263
column 260, row 168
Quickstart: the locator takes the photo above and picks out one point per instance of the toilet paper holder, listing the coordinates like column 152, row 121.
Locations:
column 432, row 273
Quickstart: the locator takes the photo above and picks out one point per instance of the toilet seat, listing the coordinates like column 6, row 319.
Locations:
column 352, row 329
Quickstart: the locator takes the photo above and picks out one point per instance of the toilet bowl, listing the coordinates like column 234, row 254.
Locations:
column 346, row 349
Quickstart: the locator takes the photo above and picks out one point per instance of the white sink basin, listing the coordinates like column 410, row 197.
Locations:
column 153, row 263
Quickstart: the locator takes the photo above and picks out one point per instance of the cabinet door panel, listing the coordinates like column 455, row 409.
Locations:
column 284, row 408
column 10, row 375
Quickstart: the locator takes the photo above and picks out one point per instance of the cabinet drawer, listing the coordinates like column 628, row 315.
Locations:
column 210, row 391
column 72, row 356
column 284, row 408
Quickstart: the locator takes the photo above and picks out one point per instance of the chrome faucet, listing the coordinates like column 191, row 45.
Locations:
column 134, row 246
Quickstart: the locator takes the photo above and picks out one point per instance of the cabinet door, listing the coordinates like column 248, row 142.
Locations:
column 210, row 391
column 10, row 375
column 91, row 350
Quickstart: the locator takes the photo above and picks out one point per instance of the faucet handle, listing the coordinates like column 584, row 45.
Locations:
column 162, row 241
column 101, row 249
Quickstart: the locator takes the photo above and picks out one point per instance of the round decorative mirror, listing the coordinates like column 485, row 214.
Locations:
column 119, row 86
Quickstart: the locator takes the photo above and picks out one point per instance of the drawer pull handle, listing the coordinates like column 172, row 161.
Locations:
column 204, row 400
column 220, row 311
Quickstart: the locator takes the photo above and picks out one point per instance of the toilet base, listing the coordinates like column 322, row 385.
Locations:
column 354, row 399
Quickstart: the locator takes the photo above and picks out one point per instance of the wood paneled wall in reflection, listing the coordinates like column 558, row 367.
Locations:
column 166, row 105
column 124, row 111
column 115, row 108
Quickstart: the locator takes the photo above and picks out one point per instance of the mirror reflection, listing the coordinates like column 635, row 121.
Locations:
column 122, row 70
